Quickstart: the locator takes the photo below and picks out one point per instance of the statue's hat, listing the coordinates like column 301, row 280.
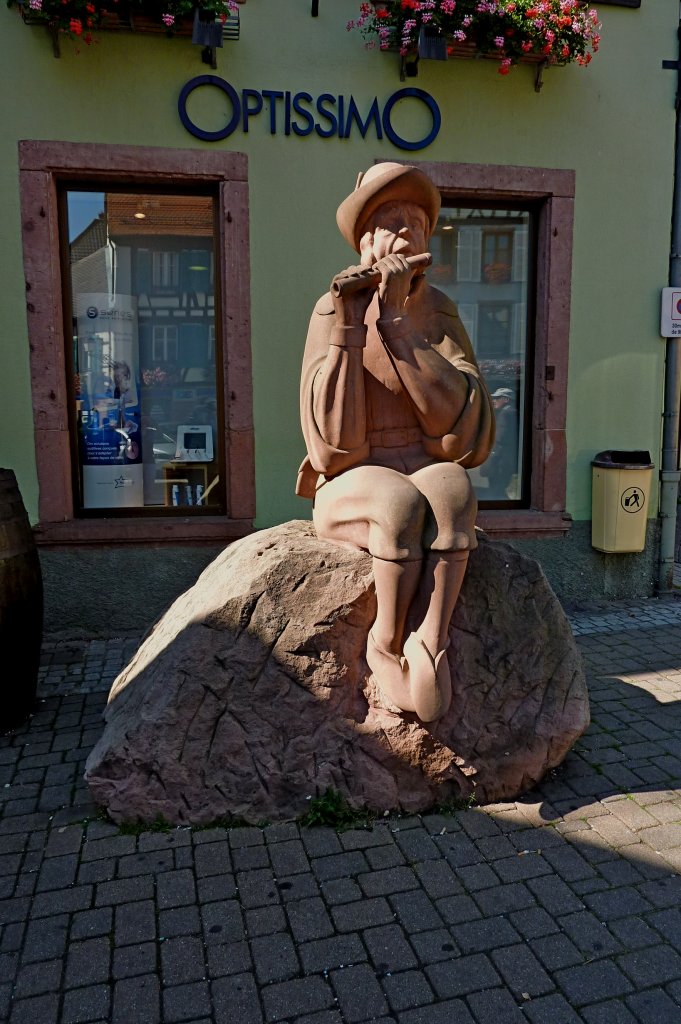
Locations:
column 380, row 184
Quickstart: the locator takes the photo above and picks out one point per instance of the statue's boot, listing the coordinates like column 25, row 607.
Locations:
column 391, row 673
column 430, row 684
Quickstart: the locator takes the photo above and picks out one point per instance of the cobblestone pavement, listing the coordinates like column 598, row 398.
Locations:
column 565, row 906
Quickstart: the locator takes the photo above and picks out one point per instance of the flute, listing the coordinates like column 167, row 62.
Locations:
column 371, row 276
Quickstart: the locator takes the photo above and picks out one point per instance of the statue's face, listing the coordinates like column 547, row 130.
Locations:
column 395, row 227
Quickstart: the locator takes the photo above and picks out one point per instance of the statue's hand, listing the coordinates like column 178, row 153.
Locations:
column 396, row 282
column 350, row 307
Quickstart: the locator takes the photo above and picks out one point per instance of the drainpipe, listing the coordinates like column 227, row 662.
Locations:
column 669, row 475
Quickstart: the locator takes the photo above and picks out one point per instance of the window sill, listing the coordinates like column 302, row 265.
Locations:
column 156, row 530
column 524, row 524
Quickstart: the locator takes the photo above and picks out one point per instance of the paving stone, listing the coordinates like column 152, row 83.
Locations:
column 341, row 865
column 553, row 1009
column 457, row 909
column 239, row 837
column 590, row 934
column 620, row 902
column 86, row 1004
column 175, row 889
column 389, row 949
column 46, row 939
column 324, row 955
column 522, row 972
column 494, row 1004
column 135, row 922
column 461, row 976
column 88, row 962
column 434, row 946
column 381, row 857
column 309, row 919
column 354, row 917
column 222, row 922
column 415, row 912
column 274, row 958
column 443, row 1012
column 46, row 904
column 35, row 979
column 265, row 920
column 151, row 862
column 129, row 961
column 364, row 838
column 533, row 922
column 290, row 999
column 186, row 1002
column 124, row 890
column 39, row 1008
column 212, row 859
column 257, row 888
column 406, row 990
column 320, row 842
column 359, row 994
column 180, row 921
column 246, row 858
column 589, row 983
column 225, row 958
column 297, row 887
column 323, row 1017
column 88, row 924
column 613, row 1011
column 138, row 1000
column 182, row 960
column 656, row 965
column 486, row 934
column 214, row 888
column 653, row 1008
column 438, row 879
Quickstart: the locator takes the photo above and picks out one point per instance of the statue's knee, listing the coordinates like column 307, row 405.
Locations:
column 396, row 531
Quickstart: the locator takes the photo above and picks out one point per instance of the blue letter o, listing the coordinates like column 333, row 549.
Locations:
column 418, row 94
column 189, row 124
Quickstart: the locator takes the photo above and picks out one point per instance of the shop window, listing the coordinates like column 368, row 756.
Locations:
column 147, row 429
column 502, row 250
column 148, row 410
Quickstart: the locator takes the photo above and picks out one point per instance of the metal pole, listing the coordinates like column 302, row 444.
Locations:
column 669, row 475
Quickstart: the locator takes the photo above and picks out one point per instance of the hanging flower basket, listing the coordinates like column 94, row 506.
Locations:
column 555, row 32
column 83, row 20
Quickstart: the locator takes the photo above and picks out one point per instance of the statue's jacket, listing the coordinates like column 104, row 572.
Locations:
column 411, row 397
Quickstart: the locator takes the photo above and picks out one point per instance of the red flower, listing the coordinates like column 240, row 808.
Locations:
column 383, row 13
column 75, row 26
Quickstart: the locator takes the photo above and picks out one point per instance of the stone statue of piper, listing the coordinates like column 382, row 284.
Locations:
column 394, row 411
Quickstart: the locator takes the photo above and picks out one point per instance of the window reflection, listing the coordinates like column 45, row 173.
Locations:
column 480, row 259
column 143, row 301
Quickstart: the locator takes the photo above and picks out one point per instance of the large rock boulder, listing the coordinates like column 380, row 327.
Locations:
column 252, row 692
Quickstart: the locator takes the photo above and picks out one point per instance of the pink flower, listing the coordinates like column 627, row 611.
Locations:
column 499, row 41
column 168, row 20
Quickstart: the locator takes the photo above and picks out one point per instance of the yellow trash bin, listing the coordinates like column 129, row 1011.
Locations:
column 621, row 484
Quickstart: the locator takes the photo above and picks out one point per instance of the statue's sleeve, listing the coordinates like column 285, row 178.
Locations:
column 434, row 360
column 332, row 407
column 471, row 436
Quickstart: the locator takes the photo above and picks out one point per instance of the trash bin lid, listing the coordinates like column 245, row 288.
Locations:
column 617, row 459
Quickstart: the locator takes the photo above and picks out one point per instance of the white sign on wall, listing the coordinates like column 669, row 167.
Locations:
column 670, row 318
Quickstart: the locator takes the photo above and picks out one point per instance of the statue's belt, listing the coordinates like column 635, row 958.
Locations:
column 397, row 438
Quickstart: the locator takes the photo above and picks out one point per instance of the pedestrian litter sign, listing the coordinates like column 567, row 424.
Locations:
column 670, row 319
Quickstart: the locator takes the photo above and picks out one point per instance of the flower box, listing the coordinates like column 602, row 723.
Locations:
column 539, row 32
column 207, row 24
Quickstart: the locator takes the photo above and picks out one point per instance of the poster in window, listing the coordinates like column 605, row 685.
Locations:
column 108, row 363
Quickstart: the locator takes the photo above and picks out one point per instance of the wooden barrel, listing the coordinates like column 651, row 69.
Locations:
column 21, row 607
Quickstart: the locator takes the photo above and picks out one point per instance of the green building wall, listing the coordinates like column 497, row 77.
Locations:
column 613, row 123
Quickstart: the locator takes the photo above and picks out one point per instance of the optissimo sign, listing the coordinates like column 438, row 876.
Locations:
column 299, row 113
